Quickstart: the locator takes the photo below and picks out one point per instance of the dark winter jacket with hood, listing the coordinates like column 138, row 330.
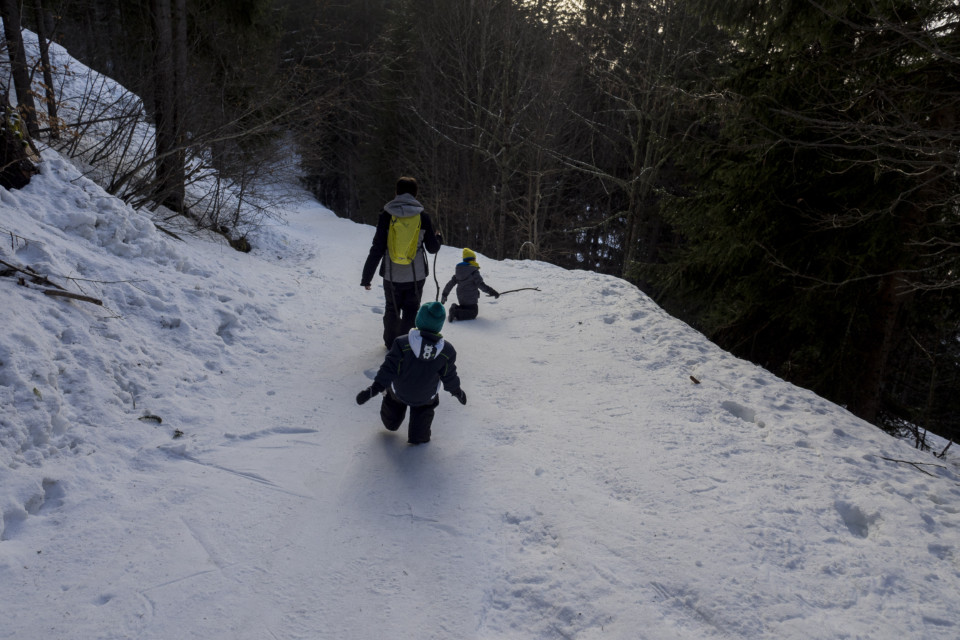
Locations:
column 469, row 283
column 417, row 366
column 403, row 206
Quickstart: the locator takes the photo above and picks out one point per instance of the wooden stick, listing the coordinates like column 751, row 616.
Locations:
column 33, row 274
column 73, row 296
column 916, row 465
column 523, row 289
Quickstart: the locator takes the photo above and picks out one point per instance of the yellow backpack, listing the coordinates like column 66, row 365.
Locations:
column 403, row 238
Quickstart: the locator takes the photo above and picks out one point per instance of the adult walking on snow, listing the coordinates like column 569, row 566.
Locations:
column 404, row 230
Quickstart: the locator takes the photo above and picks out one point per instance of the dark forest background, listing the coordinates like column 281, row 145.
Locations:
column 781, row 174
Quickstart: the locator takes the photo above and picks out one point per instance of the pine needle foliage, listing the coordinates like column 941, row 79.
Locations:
column 824, row 202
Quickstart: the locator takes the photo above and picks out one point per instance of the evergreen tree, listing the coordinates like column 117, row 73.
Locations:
column 826, row 168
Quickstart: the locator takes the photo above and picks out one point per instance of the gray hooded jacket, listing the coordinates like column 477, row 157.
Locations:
column 403, row 206
column 469, row 283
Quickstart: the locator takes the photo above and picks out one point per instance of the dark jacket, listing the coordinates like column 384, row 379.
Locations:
column 402, row 206
column 469, row 283
column 417, row 366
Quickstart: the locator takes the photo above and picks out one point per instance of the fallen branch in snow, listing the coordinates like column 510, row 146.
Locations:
column 14, row 238
column 168, row 232
column 73, row 296
column 37, row 278
column 58, row 291
column 916, row 465
column 42, row 279
column 943, row 453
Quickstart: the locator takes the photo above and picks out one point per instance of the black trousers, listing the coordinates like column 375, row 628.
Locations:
column 402, row 301
column 392, row 412
column 464, row 311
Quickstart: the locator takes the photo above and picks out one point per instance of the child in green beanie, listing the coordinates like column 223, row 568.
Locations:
column 417, row 366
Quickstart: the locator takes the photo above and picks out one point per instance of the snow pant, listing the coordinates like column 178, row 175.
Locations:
column 463, row 311
column 392, row 412
column 402, row 301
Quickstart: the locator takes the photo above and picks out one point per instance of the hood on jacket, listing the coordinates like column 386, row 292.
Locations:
column 425, row 345
column 403, row 206
column 463, row 270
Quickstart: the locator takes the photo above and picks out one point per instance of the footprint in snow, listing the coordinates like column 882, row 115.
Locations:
column 744, row 413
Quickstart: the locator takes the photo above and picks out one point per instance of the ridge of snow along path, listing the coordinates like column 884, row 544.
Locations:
column 589, row 489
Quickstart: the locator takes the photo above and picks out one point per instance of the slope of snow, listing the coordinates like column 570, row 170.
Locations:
column 589, row 489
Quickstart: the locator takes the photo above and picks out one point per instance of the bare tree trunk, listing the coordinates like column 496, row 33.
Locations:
column 169, row 165
column 10, row 12
column 47, row 69
column 878, row 338
column 15, row 167
column 180, row 82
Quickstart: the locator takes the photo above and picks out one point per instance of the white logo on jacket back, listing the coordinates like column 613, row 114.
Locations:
column 423, row 349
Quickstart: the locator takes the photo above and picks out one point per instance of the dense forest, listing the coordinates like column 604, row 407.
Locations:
column 781, row 174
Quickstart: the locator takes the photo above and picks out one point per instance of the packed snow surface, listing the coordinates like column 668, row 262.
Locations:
column 188, row 461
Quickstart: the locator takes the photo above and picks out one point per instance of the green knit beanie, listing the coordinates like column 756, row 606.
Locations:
column 430, row 317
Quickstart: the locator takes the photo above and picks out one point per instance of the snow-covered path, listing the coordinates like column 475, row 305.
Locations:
column 589, row 489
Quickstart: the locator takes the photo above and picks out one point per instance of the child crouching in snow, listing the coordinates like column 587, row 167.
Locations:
column 469, row 283
column 417, row 366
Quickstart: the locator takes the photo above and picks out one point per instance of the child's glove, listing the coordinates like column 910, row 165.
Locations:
column 461, row 396
column 366, row 394
column 443, row 300
column 494, row 295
